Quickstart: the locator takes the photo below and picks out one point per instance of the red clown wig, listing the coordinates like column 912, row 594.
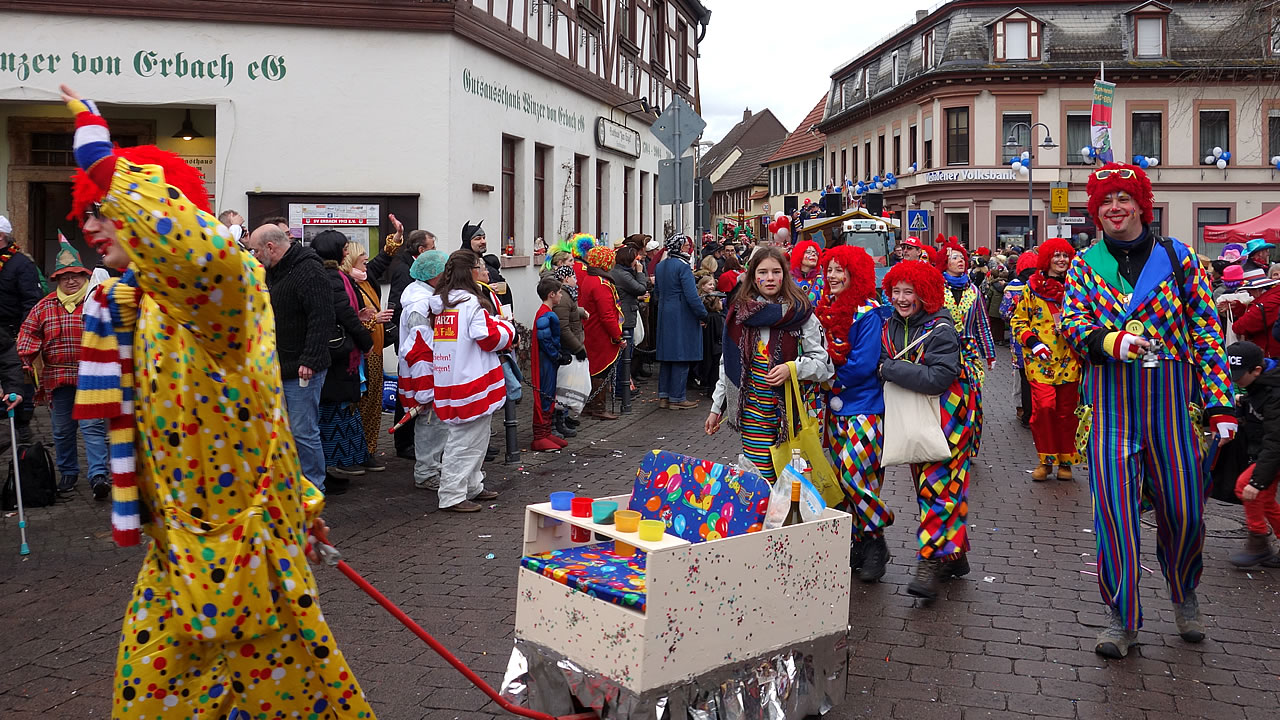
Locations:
column 1048, row 249
column 1028, row 260
column 926, row 280
column 943, row 256
column 799, row 249
column 836, row 312
column 177, row 173
column 1137, row 185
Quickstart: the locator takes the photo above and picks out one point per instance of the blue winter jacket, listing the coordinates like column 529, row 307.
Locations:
column 856, row 388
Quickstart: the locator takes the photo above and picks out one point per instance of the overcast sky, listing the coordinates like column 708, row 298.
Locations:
column 762, row 53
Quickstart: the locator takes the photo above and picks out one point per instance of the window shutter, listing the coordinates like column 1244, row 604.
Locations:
column 999, row 38
column 1034, row 52
column 1150, row 42
column 1015, row 40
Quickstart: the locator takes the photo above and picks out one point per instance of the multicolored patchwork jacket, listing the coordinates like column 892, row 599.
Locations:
column 1182, row 319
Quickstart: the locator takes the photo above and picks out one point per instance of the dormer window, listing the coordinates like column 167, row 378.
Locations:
column 893, row 68
column 1016, row 37
column 927, row 50
column 1150, row 30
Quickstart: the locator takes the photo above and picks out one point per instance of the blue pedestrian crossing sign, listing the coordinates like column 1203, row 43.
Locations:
column 918, row 220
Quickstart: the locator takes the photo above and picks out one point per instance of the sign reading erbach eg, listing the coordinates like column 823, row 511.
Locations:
column 618, row 138
column 143, row 63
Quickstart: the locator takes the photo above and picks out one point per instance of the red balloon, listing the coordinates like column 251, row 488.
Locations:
column 784, row 223
column 773, row 228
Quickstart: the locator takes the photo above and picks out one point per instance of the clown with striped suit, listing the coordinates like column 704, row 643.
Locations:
column 1139, row 309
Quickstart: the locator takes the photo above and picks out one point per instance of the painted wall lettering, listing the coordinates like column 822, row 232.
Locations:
column 143, row 63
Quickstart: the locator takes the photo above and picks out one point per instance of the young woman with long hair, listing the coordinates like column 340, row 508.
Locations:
column 769, row 330
column 467, row 336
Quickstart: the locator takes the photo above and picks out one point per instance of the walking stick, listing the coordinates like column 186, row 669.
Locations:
column 17, row 477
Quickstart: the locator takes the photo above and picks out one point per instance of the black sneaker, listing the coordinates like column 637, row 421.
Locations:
column 335, row 485
column 572, row 421
column 346, row 471
column 101, row 487
column 373, row 464
column 874, row 560
column 68, row 483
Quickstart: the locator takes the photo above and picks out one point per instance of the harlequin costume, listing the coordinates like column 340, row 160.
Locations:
column 853, row 322
column 1142, row 433
column 977, row 348
column 933, row 367
column 179, row 357
column 1052, row 365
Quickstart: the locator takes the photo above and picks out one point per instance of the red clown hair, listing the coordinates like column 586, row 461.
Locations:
column 1028, row 260
column 925, row 278
column 177, row 173
column 836, row 312
column 799, row 249
column 943, row 255
column 1048, row 249
column 1138, row 187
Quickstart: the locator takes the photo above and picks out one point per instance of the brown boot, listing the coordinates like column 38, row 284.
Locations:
column 1041, row 473
column 1064, row 472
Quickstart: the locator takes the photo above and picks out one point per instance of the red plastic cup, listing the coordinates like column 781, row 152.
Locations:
column 580, row 507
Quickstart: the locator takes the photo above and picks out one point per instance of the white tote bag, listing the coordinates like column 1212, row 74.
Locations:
column 912, row 424
column 573, row 385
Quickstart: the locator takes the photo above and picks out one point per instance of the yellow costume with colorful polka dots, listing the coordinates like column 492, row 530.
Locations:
column 224, row 621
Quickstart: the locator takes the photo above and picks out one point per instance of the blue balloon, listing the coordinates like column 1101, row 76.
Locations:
column 1226, row 155
column 1278, row 164
column 848, row 183
column 1137, row 159
column 1144, row 163
column 875, row 178
column 822, row 194
column 889, row 176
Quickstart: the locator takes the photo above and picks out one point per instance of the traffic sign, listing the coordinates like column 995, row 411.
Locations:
column 1073, row 220
column 668, row 191
column 918, row 220
column 1058, row 201
column 678, row 126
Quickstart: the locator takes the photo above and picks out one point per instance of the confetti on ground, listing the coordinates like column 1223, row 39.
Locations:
column 484, row 536
column 1086, row 572
column 989, row 578
column 490, row 556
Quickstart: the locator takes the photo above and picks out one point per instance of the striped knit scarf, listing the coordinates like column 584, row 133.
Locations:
column 106, row 391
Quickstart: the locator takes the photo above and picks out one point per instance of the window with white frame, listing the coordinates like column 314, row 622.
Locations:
column 1017, row 40
column 926, row 50
column 1079, row 135
column 1215, row 131
column 1016, row 37
column 866, row 82
column 1146, row 134
column 1021, row 135
column 893, row 68
column 1148, row 37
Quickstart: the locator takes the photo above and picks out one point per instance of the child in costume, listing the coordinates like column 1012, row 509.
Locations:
column 770, row 333
column 180, row 359
column 51, row 333
column 1259, row 410
column 602, row 327
column 469, row 385
column 1138, row 306
column 1052, row 365
column 933, row 367
column 977, row 349
column 544, row 363
column 853, row 322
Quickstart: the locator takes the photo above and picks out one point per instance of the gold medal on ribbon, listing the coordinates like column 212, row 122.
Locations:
column 1134, row 326
column 1124, row 299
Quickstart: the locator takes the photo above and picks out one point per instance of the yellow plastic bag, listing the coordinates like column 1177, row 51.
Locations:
column 808, row 440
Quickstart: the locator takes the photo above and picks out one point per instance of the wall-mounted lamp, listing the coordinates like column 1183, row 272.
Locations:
column 187, row 131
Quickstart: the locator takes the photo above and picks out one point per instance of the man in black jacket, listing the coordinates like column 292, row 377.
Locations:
column 391, row 267
column 20, row 290
column 11, row 380
column 302, row 301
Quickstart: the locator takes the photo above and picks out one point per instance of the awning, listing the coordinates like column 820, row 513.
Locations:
column 1266, row 226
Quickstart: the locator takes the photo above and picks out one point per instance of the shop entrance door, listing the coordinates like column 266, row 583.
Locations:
column 47, row 206
column 958, row 227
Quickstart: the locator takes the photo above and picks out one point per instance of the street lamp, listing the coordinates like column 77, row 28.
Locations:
column 1048, row 144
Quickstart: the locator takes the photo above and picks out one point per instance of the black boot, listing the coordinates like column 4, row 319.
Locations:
column 874, row 560
column 571, row 422
column 959, row 567
column 857, row 553
column 925, row 583
column 562, row 428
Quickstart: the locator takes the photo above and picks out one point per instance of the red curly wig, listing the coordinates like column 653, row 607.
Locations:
column 836, row 312
column 1028, row 260
column 1138, row 187
column 941, row 258
column 177, row 173
column 799, row 249
column 1048, row 249
column 926, row 280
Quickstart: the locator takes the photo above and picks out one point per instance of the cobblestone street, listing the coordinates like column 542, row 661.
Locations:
column 1013, row 639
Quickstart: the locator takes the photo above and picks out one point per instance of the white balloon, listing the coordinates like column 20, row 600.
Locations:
column 1085, row 150
column 1153, row 161
column 1222, row 164
column 1275, row 159
column 1025, row 154
column 1023, row 170
column 1208, row 159
column 1217, row 151
column 1016, row 165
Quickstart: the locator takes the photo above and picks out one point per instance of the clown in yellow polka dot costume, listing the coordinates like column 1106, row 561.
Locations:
column 180, row 357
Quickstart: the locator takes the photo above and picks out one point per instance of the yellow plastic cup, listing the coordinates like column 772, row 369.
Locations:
column 622, row 549
column 652, row 530
column 626, row 520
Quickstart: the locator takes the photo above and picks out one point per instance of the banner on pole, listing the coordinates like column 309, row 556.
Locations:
column 1104, row 94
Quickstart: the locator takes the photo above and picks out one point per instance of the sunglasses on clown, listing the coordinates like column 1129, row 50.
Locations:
column 1123, row 173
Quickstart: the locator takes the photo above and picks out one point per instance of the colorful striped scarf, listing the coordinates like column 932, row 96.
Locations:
column 106, row 391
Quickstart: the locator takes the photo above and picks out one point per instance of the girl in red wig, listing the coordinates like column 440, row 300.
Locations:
column 932, row 367
column 806, row 270
column 853, row 323
column 964, row 302
column 1052, row 366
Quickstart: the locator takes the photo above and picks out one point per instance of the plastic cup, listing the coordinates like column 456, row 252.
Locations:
column 580, row 507
column 622, row 549
column 561, row 500
column 652, row 530
column 626, row 520
column 602, row 512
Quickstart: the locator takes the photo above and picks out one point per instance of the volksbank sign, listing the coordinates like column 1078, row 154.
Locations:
column 968, row 174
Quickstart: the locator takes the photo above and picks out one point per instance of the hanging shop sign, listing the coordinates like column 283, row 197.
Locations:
column 616, row 137
column 357, row 221
column 968, row 175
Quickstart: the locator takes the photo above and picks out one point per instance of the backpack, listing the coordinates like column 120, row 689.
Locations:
column 39, row 486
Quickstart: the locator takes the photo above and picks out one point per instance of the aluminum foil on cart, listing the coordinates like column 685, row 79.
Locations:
column 803, row 680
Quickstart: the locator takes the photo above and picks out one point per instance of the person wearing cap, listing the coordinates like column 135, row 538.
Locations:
column 1257, row 255
column 50, row 340
column 225, row 613
column 1138, row 307
column 1258, row 380
column 912, row 248
column 414, row 379
column 473, row 239
column 1052, row 365
column 1256, row 322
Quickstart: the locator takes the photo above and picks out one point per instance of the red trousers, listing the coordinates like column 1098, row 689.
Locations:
column 1053, row 421
column 1261, row 510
